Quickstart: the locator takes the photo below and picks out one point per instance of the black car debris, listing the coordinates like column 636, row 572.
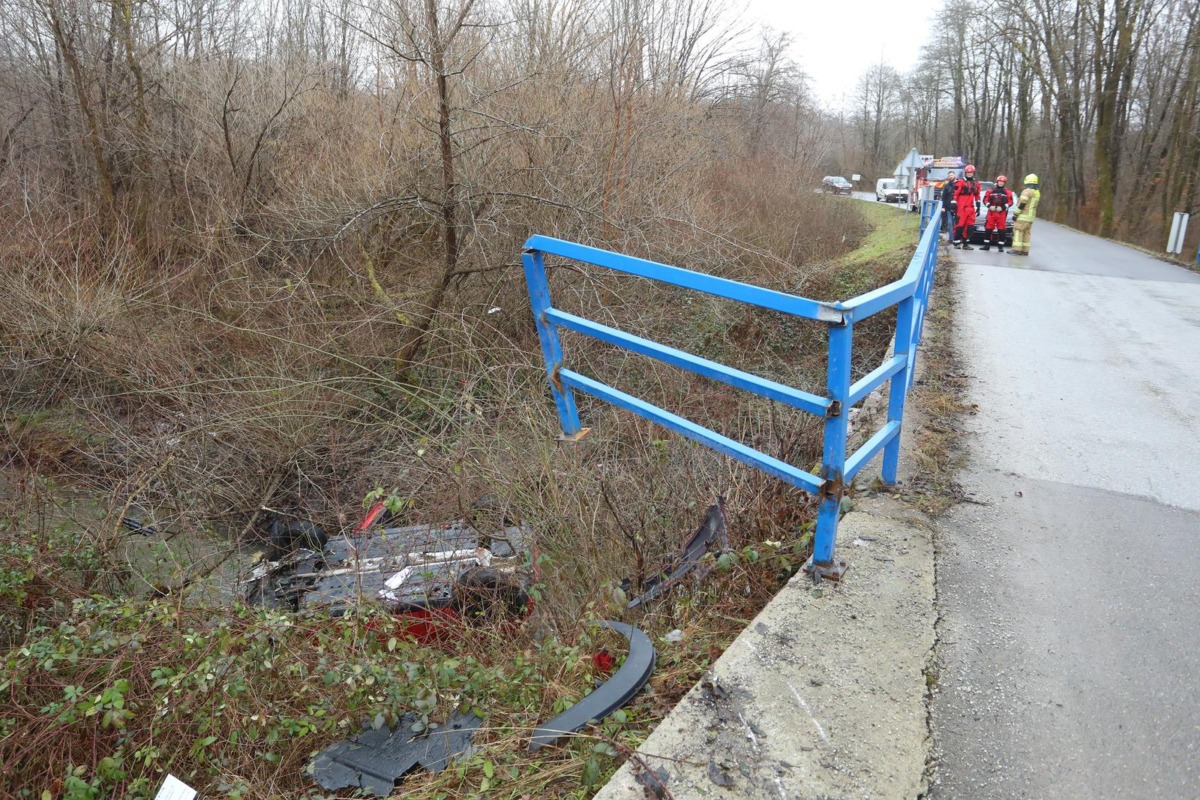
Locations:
column 434, row 578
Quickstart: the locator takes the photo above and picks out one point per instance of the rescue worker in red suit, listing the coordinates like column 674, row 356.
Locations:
column 997, row 200
column 966, row 200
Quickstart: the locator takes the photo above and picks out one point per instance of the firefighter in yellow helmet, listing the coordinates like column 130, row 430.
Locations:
column 1027, row 205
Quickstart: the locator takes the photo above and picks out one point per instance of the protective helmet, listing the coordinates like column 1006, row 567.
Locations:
column 1031, row 179
column 969, row 168
column 1001, row 179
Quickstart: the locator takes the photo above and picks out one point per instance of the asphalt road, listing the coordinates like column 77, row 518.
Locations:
column 870, row 195
column 1069, row 638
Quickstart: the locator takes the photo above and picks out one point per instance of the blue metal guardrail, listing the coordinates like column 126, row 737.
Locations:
column 910, row 293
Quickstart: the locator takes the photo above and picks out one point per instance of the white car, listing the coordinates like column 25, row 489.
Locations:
column 887, row 191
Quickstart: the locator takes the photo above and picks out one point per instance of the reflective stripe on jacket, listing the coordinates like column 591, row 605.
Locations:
column 966, row 192
column 1029, row 201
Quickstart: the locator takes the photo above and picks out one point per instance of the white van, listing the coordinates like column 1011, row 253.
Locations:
column 887, row 191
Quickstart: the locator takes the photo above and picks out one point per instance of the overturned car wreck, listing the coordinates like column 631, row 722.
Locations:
column 425, row 574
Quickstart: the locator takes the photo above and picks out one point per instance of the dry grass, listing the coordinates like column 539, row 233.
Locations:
column 938, row 407
column 206, row 393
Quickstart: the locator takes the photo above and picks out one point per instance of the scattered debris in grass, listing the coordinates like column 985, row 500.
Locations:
column 112, row 684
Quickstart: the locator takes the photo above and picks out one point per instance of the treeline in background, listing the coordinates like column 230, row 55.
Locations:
column 313, row 126
column 1100, row 98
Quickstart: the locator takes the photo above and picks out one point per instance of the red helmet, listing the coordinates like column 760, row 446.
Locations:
column 1001, row 179
column 969, row 168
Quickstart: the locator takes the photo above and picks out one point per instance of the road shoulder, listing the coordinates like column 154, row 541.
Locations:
column 824, row 692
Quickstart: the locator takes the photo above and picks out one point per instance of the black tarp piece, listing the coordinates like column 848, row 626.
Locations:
column 612, row 694
column 376, row 760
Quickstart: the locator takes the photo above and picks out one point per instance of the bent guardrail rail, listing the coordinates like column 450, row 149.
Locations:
column 910, row 293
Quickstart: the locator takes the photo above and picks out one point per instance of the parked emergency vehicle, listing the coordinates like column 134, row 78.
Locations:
column 934, row 173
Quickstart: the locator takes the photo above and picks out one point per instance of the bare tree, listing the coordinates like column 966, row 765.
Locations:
column 878, row 99
column 770, row 78
column 428, row 35
column 1118, row 29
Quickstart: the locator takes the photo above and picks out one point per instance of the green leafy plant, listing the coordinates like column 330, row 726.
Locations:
column 393, row 501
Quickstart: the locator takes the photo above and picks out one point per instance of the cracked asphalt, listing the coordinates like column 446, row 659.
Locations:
column 1069, row 634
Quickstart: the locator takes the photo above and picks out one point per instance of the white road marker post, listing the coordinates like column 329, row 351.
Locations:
column 1178, row 232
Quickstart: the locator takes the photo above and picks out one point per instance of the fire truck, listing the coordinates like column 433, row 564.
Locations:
column 934, row 173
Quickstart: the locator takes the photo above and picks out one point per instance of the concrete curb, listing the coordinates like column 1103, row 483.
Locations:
column 824, row 693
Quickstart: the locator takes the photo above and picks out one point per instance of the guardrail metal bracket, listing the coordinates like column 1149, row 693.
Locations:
column 832, row 489
column 830, row 314
column 574, row 437
column 833, row 571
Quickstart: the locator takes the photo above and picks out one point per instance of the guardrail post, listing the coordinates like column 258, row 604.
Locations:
column 898, row 386
column 539, row 298
column 833, row 466
column 924, row 287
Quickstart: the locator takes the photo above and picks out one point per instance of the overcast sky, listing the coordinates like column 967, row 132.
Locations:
column 836, row 40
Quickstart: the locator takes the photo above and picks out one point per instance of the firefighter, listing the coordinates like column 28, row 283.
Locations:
column 1026, row 213
column 966, row 200
column 998, row 200
column 947, row 197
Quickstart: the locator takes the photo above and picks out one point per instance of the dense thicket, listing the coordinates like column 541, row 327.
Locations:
column 307, row 125
column 1101, row 98
column 268, row 254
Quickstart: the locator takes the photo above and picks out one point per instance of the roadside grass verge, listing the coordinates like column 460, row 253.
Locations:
column 891, row 241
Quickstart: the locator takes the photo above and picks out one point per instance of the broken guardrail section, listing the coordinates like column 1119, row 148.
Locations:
column 910, row 294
